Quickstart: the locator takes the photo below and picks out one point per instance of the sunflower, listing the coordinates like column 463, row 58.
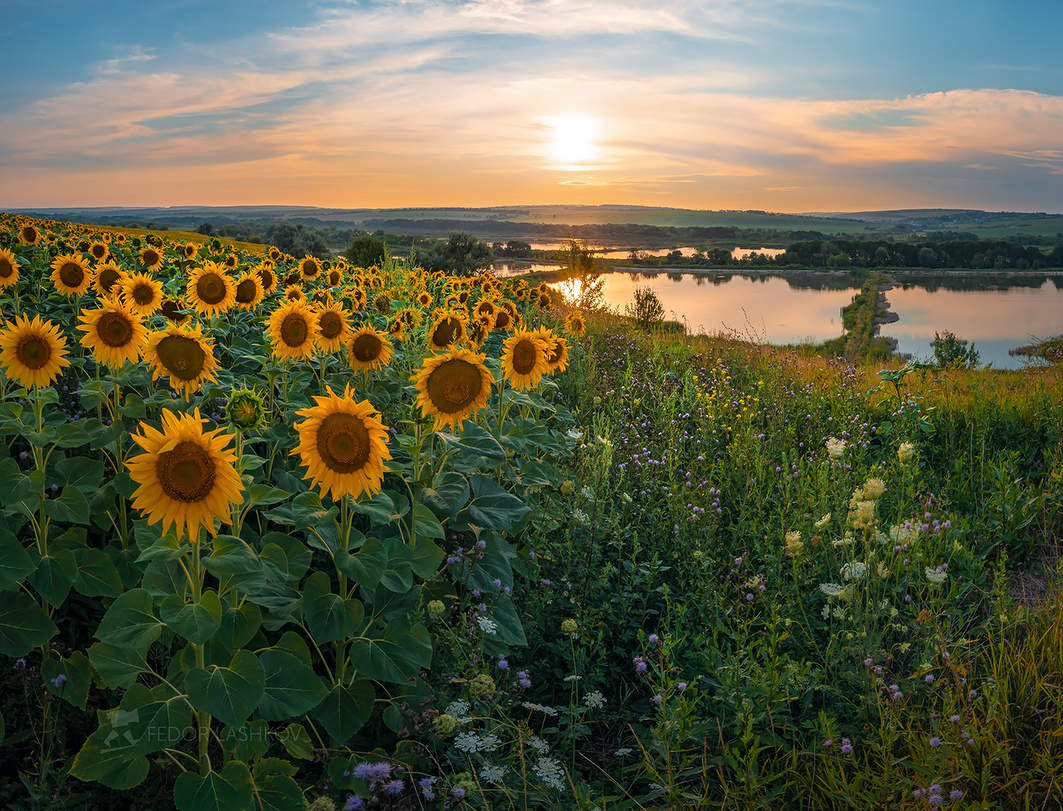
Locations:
column 117, row 238
column 99, row 250
column 171, row 310
column 486, row 310
column 447, row 329
column 108, row 275
column 186, row 477
column 505, row 318
column 335, row 277
column 556, row 350
column 294, row 292
column 275, row 254
column 188, row 250
column 71, row 275
column 575, row 324
column 29, row 235
column 32, row 352
column 477, row 333
column 249, row 291
column 331, row 328
column 210, row 290
column 367, row 349
column 342, row 445
column 291, row 329
column 150, row 257
column 267, row 277
column 358, row 297
column 382, row 303
column 8, row 268
column 309, row 267
column 182, row 354
column 230, row 261
column 425, row 299
column 114, row 333
column 452, row 387
column 141, row 293
column 524, row 359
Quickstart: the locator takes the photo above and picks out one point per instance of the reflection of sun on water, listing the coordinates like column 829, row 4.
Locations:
column 570, row 288
column 574, row 143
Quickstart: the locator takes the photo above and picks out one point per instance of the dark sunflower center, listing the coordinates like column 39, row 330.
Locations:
column 150, row 257
column 143, row 294
column 334, row 278
column 7, row 268
column 454, row 385
column 330, row 324
column 171, row 310
column 555, row 353
column 33, row 351
column 230, row 261
column 485, row 309
column 310, row 269
column 524, row 356
column 107, row 278
column 294, row 331
column 210, row 288
column 367, row 348
column 114, row 329
column 71, row 274
column 383, row 303
column 182, row 357
column 99, row 251
column 83, row 245
column 186, row 473
column 267, row 277
column 29, row 234
column 343, row 443
column 245, row 291
column 445, row 332
column 503, row 319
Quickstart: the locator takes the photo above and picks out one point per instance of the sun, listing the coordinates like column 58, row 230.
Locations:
column 575, row 140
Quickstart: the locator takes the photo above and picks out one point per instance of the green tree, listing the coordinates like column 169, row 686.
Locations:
column 367, row 250
column 461, row 254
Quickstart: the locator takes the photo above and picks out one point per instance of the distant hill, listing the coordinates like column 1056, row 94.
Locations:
column 493, row 221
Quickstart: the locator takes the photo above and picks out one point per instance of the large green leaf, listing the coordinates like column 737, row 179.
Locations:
column 227, row 790
column 68, row 678
column 492, row 507
column 152, row 719
column 328, row 616
column 448, row 494
column 97, row 575
column 110, row 760
column 54, row 575
column 71, row 506
column 229, row 693
column 475, row 441
column 23, row 626
column 130, row 622
column 116, row 666
column 395, row 652
column 292, row 687
column 15, row 562
column 346, row 709
column 275, row 789
column 195, row 621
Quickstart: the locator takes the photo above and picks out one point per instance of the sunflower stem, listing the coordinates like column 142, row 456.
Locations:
column 202, row 717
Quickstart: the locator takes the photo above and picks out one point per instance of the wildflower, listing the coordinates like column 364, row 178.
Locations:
column 853, row 570
column 482, row 686
column 502, row 663
column 622, row 751
column 492, row 773
column 488, row 626
column 394, row 788
column 681, row 687
column 458, row 792
column 827, row 744
column 653, row 639
column 831, row 589
column 445, row 724
column 436, row 609
column 372, row 773
column 354, row 803
column 862, row 514
column 530, row 705
column 640, row 664
column 793, row 543
column 846, row 746
column 836, row 447
column 550, row 772
column 935, row 741
column 935, row 576
column 425, row 784
column 59, row 680
column 657, row 699
column 874, row 488
column 569, row 626
column 538, row 744
column 906, row 452
column 822, row 522
column 955, row 794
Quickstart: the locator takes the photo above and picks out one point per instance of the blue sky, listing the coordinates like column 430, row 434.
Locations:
column 811, row 105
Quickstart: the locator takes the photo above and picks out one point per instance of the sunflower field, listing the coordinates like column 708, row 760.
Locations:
column 283, row 533
column 230, row 484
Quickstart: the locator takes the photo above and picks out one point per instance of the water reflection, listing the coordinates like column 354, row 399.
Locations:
column 998, row 312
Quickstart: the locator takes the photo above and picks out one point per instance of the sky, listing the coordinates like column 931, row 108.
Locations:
column 808, row 105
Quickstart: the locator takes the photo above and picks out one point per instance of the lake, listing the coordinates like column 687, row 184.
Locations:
column 997, row 315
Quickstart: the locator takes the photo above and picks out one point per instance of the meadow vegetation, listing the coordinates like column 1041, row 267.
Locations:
column 287, row 532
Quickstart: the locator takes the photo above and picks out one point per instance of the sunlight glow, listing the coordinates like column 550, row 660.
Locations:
column 575, row 140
